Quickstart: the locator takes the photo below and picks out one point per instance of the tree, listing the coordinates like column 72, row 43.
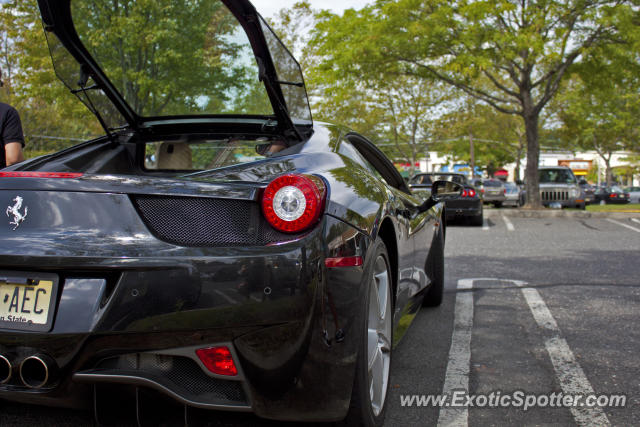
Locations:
column 497, row 139
column 601, row 111
column 51, row 117
column 510, row 55
column 155, row 52
column 396, row 112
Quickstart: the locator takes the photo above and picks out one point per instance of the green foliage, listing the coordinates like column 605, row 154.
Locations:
column 498, row 139
column 166, row 57
column 599, row 107
column 46, row 107
column 510, row 55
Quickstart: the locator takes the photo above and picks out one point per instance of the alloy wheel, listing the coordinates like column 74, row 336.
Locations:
column 379, row 334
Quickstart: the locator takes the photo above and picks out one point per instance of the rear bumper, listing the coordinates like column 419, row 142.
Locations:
column 269, row 305
column 459, row 208
column 493, row 199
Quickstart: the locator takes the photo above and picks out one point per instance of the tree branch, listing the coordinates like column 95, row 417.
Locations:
column 492, row 100
column 500, row 86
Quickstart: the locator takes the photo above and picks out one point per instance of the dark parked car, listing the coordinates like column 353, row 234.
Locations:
column 467, row 205
column 199, row 254
column 611, row 195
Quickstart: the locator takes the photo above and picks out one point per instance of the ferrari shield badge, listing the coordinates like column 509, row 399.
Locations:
column 14, row 211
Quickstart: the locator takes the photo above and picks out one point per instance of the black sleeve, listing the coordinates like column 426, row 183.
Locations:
column 12, row 128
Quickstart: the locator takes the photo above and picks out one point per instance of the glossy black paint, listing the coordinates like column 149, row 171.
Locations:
column 291, row 320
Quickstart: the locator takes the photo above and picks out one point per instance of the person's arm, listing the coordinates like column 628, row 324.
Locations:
column 13, row 138
column 13, row 153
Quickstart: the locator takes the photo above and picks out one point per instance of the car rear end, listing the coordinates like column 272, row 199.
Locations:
column 108, row 281
column 494, row 191
column 467, row 205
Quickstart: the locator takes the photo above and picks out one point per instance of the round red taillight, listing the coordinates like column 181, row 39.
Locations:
column 471, row 193
column 293, row 203
column 464, row 193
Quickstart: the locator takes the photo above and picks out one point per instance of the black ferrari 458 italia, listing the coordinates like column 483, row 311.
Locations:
column 216, row 248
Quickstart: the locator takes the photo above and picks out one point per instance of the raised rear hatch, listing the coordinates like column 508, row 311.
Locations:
column 147, row 65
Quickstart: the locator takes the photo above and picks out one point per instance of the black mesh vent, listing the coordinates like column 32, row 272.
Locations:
column 179, row 374
column 196, row 221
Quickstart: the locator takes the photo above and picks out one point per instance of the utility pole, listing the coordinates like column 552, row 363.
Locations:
column 426, row 155
column 473, row 158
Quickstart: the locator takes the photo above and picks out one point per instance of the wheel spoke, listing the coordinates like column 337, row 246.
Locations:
column 377, row 382
column 379, row 334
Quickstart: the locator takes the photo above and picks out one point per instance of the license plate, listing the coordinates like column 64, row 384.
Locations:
column 27, row 300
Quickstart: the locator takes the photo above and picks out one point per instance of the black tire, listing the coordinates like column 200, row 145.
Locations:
column 477, row 220
column 361, row 411
column 497, row 204
column 582, row 206
column 435, row 271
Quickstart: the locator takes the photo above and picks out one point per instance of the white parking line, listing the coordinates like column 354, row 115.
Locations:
column 624, row 225
column 635, row 220
column 457, row 375
column 570, row 375
column 225, row 296
column 508, row 223
column 485, row 224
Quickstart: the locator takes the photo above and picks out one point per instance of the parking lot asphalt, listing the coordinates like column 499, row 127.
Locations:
column 585, row 272
column 532, row 305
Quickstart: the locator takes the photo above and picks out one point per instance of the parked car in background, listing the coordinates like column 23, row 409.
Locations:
column 493, row 191
column 468, row 205
column 589, row 192
column 514, row 195
column 612, row 195
column 634, row 194
column 559, row 187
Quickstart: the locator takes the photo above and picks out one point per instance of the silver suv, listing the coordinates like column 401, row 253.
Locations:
column 559, row 187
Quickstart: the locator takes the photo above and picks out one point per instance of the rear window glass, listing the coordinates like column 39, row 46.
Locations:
column 460, row 179
column 558, row 176
column 492, row 183
column 202, row 155
column 173, row 57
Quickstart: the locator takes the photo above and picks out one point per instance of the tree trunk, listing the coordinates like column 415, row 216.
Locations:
column 533, row 158
column 521, row 146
